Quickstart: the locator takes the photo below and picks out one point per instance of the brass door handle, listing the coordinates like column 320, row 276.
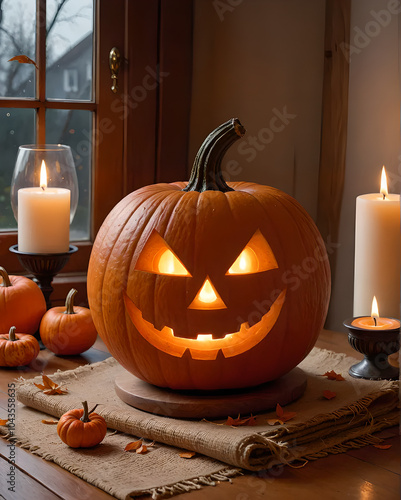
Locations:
column 114, row 63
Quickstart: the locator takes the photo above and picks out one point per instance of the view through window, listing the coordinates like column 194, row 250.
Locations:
column 56, row 109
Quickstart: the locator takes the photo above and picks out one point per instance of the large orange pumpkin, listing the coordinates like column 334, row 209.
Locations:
column 208, row 285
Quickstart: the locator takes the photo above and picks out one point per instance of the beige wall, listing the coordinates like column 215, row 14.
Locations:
column 264, row 55
column 373, row 132
column 253, row 61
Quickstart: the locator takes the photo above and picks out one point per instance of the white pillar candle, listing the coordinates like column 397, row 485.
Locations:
column 377, row 254
column 43, row 219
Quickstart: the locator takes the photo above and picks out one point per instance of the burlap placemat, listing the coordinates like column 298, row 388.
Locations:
column 320, row 427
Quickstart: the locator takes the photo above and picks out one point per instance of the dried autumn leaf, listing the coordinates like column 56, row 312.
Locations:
column 274, row 421
column 329, row 394
column 23, row 59
column 49, row 387
column 134, row 445
column 3, row 421
column 284, row 415
column 138, row 446
column 235, row 422
column 382, row 446
column 50, row 422
column 143, row 449
column 187, row 454
column 332, row 375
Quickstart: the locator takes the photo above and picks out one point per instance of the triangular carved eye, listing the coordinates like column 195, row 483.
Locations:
column 256, row 257
column 168, row 263
column 157, row 257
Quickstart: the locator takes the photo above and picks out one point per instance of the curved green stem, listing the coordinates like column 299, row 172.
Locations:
column 206, row 174
column 69, row 302
column 6, row 279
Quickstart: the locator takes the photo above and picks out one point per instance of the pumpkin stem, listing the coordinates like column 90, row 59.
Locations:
column 85, row 416
column 6, row 279
column 206, row 174
column 69, row 302
column 93, row 409
column 11, row 334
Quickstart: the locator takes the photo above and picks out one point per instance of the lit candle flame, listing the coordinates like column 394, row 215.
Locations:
column 383, row 184
column 43, row 175
column 375, row 311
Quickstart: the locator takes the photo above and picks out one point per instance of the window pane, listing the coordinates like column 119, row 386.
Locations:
column 74, row 128
column 69, row 50
column 17, row 127
column 17, row 36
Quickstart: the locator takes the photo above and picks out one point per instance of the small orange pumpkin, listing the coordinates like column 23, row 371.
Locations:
column 22, row 303
column 17, row 349
column 68, row 330
column 80, row 428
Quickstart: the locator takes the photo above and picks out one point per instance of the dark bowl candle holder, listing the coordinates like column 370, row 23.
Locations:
column 376, row 345
column 44, row 267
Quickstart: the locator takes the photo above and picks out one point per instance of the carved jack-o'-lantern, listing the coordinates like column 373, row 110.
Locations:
column 208, row 285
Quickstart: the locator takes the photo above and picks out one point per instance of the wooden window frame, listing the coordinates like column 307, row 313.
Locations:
column 155, row 34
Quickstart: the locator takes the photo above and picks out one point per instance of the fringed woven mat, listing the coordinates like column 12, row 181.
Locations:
column 320, row 427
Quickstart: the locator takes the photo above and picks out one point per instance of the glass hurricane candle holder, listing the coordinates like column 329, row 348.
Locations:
column 44, row 197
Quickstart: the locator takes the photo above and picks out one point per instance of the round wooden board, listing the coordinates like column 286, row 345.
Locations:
column 214, row 404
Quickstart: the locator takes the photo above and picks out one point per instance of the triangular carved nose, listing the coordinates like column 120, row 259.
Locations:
column 207, row 297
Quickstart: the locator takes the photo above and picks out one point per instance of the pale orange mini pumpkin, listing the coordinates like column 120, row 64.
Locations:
column 68, row 330
column 208, row 284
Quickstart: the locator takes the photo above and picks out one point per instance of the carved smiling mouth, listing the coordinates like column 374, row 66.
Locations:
column 205, row 347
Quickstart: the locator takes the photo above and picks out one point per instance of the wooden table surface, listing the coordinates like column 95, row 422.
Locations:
column 364, row 474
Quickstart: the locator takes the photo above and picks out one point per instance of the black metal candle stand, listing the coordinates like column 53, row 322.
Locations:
column 376, row 346
column 44, row 267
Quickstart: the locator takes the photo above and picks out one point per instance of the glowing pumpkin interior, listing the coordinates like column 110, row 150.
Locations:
column 158, row 258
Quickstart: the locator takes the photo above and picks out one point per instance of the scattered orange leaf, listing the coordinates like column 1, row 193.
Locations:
column 142, row 449
column 49, row 387
column 284, row 415
column 50, row 422
column 134, row 445
column 187, row 454
column 235, row 422
column 138, row 446
column 382, row 446
column 332, row 375
column 24, row 60
column 329, row 394
column 274, row 421
column 3, row 421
